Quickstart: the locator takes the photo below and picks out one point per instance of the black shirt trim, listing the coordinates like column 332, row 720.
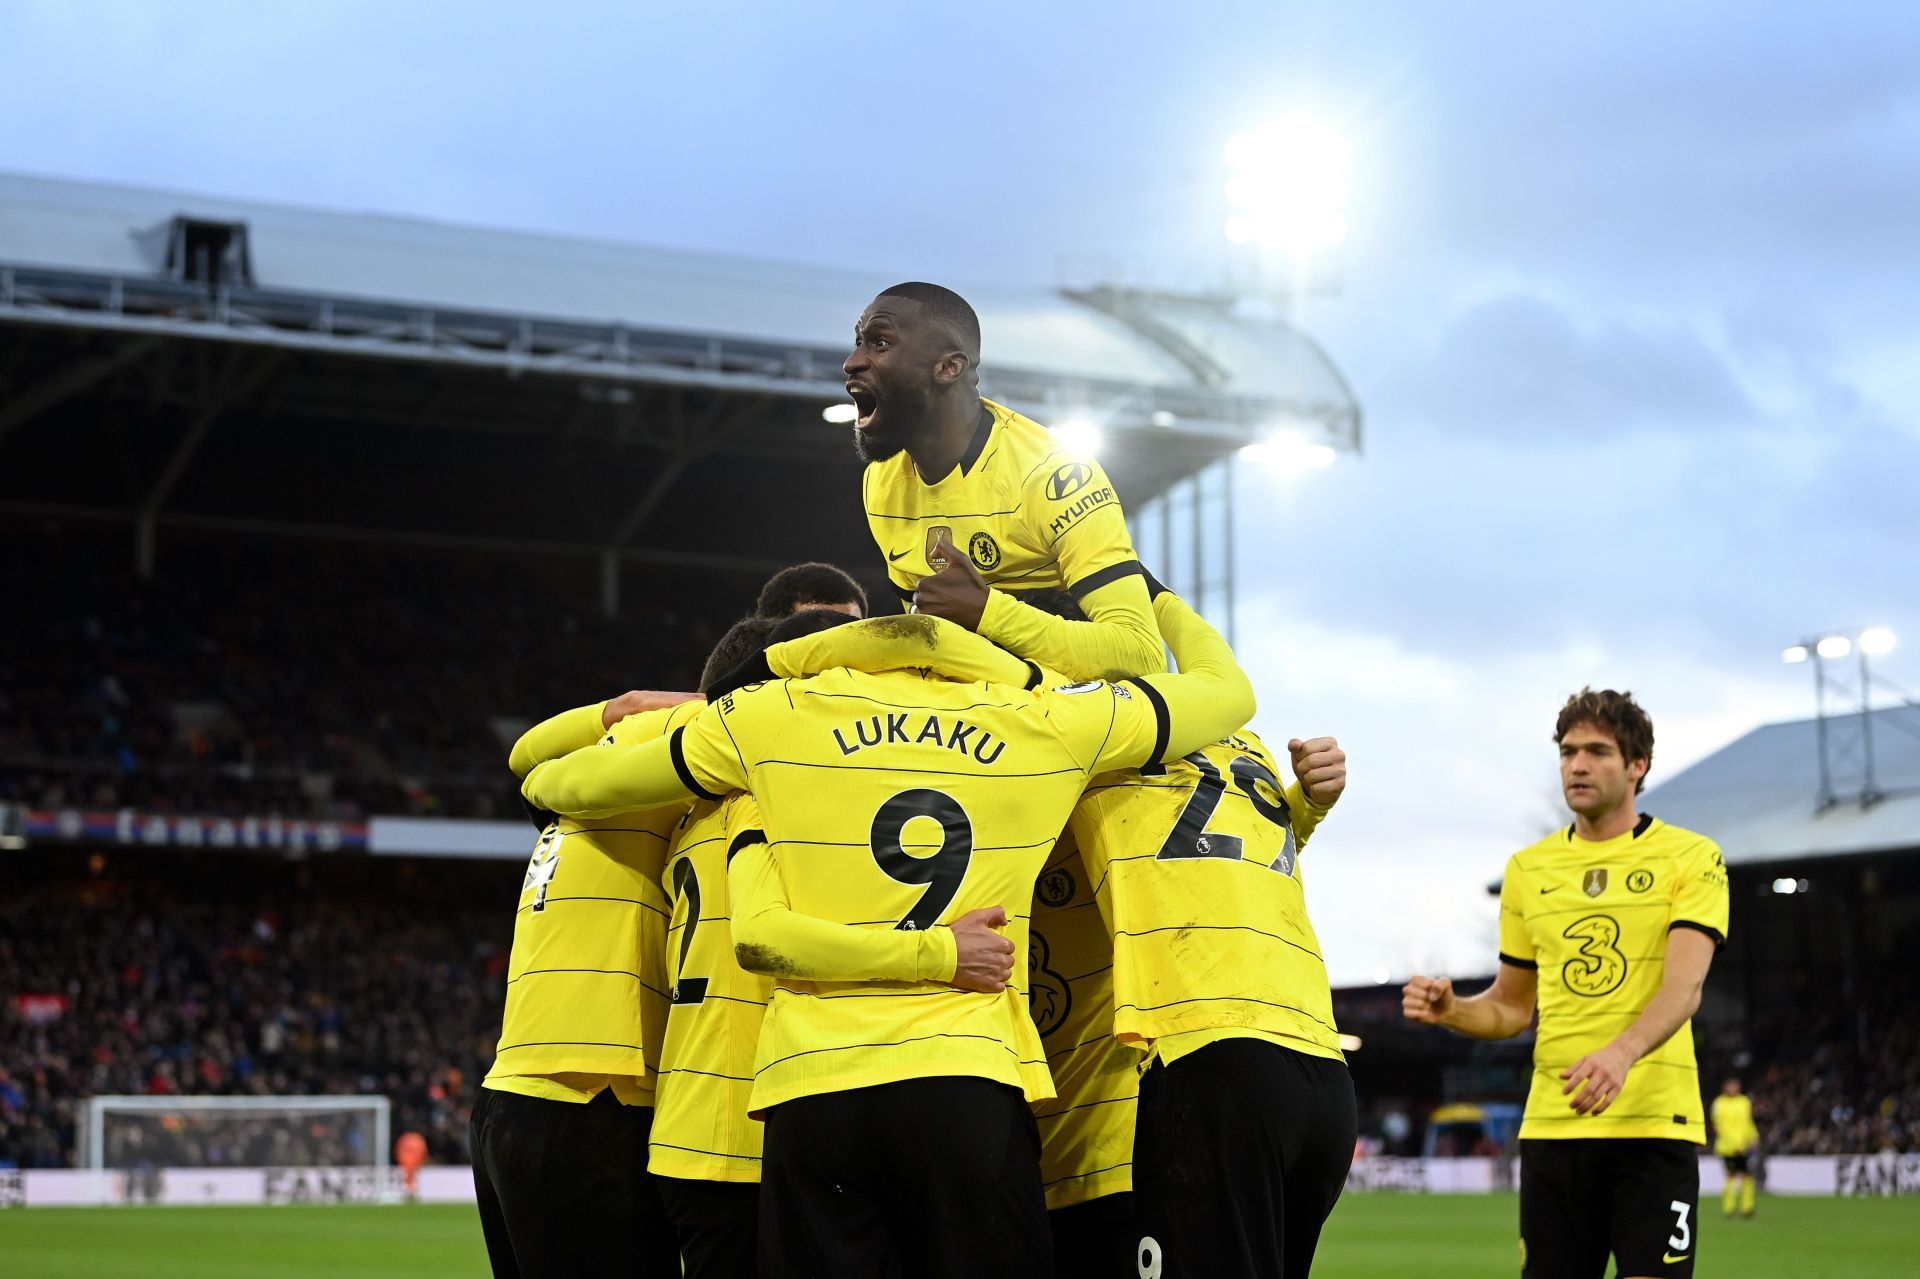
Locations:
column 1527, row 964
column 1034, row 676
column 1105, row 577
column 745, row 839
column 1719, row 938
column 978, row 444
column 679, row 755
column 1163, row 719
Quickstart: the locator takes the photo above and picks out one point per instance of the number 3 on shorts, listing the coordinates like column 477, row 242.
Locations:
column 1682, row 1237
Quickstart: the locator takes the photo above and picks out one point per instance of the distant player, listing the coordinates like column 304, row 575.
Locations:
column 1609, row 926
column 898, row 1133
column 1734, row 1137
column 945, row 465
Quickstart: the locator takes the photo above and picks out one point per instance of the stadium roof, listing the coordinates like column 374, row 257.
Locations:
column 1092, row 348
column 1760, row 797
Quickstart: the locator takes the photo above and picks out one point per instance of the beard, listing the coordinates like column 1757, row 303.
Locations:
column 876, row 446
column 902, row 413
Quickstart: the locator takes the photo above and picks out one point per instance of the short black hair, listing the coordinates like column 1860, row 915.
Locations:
column 742, row 640
column 808, row 621
column 1056, row 602
column 809, row 583
column 947, row 308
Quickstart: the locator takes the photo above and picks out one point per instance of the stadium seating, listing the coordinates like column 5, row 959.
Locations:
column 382, row 680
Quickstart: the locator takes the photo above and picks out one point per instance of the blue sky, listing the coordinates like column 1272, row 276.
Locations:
column 1631, row 301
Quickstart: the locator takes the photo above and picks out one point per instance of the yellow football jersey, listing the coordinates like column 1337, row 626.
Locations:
column 1029, row 516
column 1593, row 918
column 586, row 980
column 1197, row 869
column 1086, row 1132
column 901, row 801
column 1734, row 1132
column 700, row 1128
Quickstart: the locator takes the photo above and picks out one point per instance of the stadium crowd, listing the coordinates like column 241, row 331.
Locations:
column 156, row 973
column 382, row 681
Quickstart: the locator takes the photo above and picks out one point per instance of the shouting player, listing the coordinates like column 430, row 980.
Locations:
column 1609, row 927
column 898, row 1131
column 946, row 466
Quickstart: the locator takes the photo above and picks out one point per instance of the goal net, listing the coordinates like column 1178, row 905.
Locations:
column 133, row 1141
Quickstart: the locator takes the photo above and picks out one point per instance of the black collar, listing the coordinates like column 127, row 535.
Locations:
column 977, row 445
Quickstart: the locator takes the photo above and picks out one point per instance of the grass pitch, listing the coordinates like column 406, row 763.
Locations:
column 1375, row 1236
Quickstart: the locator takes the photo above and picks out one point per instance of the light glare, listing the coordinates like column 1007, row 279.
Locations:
column 1080, row 436
column 1794, row 655
column 1290, row 185
column 839, row 414
column 1876, row 640
column 1834, row 646
column 1786, row 887
column 1349, row 1043
column 1289, row 453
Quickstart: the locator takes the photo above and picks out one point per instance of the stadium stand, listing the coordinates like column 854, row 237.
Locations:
column 382, row 681
column 232, row 973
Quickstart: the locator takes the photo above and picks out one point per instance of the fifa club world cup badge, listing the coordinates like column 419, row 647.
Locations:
column 937, row 534
column 1596, row 882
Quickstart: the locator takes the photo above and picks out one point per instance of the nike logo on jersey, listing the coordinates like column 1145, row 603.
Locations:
column 894, row 555
column 1548, row 890
column 1669, row 1258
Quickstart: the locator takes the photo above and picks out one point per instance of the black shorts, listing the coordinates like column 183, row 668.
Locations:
column 1636, row 1198
column 564, row 1190
column 1240, row 1150
column 1098, row 1239
column 717, row 1222
column 1736, row 1165
column 925, row 1178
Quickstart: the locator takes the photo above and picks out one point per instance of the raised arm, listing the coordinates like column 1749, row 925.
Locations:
column 899, row 643
column 695, row 759
column 1209, row 697
column 1501, row 1011
column 1119, row 638
column 582, row 726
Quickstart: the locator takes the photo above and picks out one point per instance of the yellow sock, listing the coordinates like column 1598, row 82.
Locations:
column 1746, row 1196
column 1726, row 1195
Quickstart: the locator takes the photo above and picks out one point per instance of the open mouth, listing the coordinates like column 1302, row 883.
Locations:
column 865, row 402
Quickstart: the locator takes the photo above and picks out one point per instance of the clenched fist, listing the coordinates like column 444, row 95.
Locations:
column 1427, row 1000
column 1321, row 766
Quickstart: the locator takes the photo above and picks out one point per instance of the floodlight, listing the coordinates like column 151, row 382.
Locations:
column 1833, row 646
column 1080, row 435
column 1794, row 655
column 1288, row 452
column 1876, row 640
column 1786, row 887
column 1289, row 186
column 839, row 414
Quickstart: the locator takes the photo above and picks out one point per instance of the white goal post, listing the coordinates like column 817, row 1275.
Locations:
column 125, row 1132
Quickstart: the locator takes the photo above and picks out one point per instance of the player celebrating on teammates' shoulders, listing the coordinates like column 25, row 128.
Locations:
column 945, row 465
column 1609, row 926
column 898, row 1132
